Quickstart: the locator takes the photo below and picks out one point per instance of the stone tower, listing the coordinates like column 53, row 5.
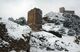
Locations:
column 35, row 19
column 62, row 9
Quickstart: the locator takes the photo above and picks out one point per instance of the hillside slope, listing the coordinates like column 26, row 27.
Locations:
column 60, row 33
column 13, row 36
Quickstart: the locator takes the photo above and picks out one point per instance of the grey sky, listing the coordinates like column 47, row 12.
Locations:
column 54, row 5
column 17, row 8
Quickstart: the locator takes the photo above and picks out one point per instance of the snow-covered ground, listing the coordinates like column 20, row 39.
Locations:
column 52, row 15
column 15, row 30
column 46, row 42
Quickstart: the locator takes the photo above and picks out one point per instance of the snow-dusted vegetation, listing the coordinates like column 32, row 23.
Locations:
column 59, row 34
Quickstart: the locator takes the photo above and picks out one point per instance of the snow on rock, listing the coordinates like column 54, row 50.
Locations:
column 3, row 43
column 46, row 42
column 71, row 22
column 14, row 36
column 51, row 27
column 56, row 23
column 56, row 28
column 13, row 51
column 66, row 25
column 52, row 15
column 42, row 41
column 15, row 30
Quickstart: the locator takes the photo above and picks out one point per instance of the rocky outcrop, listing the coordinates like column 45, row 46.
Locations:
column 8, row 44
column 3, row 30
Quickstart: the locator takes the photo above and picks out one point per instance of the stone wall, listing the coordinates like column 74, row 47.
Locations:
column 35, row 19
column 62, row 10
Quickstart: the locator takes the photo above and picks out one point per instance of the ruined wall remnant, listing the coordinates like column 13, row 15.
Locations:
column 62, row 10
column 35, row 19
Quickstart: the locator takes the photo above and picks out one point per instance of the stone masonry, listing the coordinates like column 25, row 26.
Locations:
column 62, row 10
column 35, row 19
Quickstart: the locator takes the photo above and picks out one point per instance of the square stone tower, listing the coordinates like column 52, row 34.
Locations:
column 62, row 10
column 35, row 19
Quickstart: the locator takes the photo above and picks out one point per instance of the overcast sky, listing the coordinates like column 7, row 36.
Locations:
column 19, row 8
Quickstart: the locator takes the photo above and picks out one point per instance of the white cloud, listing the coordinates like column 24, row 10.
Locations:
column 17, row 8
column 53, row 5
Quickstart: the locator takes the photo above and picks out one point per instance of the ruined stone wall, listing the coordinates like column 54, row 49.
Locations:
column 35, row 19
column 69, row 12
column 62, row 10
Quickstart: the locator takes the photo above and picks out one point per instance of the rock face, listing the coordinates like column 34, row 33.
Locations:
column 8, row 44
column 71, row 22
column 35, row 19
column 3, row 30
